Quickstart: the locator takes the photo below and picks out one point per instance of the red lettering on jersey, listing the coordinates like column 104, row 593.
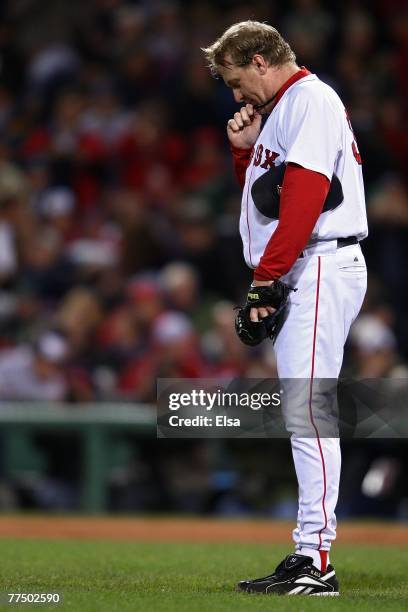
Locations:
column 258, row 155
column 269, row 159
column 356, row 152
column 354, row 147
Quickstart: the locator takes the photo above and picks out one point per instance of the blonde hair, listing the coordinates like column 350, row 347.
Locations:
column 243, row 40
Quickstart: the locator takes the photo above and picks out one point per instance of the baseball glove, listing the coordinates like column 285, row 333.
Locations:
column 252, row 333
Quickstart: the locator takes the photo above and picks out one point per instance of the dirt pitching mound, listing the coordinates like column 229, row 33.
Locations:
column 188, row 530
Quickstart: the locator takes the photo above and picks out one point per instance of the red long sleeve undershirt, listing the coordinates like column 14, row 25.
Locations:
column 301, row 202
column 241, row 159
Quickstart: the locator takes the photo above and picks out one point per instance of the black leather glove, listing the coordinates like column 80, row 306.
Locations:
column 276, row 296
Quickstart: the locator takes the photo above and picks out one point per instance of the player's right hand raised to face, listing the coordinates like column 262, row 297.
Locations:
column 244, row 128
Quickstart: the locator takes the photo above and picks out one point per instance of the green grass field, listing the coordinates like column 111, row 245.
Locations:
column 190, row 576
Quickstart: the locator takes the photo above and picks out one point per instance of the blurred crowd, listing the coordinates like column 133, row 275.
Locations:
column 120, row 258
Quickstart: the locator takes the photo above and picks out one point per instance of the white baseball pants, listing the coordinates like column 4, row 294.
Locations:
column 331, row 284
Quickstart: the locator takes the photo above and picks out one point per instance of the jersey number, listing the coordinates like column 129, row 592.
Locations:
column 354, row 147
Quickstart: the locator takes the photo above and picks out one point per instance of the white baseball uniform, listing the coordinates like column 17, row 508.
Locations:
column 309, row 127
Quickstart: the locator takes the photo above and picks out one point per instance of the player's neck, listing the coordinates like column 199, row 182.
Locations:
column 283, row 74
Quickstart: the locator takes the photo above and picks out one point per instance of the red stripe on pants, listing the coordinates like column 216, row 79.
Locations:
column 310, row 401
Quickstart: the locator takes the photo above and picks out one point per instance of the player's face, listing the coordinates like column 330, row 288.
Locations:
column 245, row 84
column 248, row 83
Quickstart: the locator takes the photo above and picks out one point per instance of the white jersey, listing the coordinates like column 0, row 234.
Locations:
column 308, row 126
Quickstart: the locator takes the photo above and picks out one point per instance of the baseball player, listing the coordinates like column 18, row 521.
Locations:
column 302, row 218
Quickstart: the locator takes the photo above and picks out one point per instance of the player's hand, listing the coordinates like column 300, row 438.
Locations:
column 244, row 128
column 256, row 314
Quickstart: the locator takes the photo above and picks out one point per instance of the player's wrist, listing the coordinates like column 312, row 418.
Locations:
column 241, row 146
column 261, row 283
column 241, row 149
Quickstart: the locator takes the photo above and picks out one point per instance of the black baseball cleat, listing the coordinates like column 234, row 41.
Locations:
column 295, row 575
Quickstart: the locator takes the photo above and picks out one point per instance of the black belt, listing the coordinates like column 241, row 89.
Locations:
column 341, row 242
